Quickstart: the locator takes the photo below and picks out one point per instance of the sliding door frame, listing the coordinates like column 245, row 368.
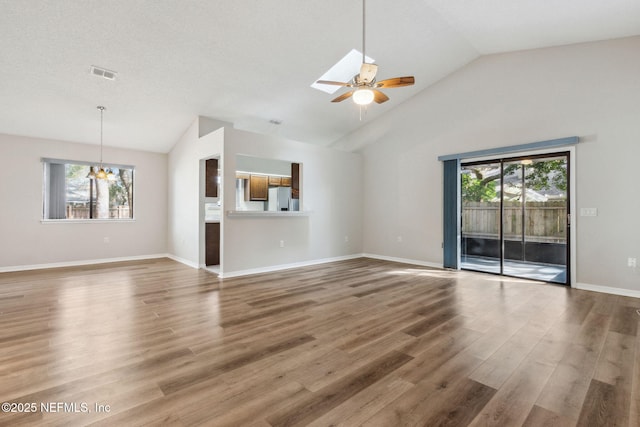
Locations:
column 568, row 223
column 531, row 149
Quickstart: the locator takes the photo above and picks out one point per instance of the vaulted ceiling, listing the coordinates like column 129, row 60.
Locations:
column 250, row 62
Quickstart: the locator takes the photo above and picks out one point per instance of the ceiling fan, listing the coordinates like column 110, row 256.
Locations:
column 364, row 84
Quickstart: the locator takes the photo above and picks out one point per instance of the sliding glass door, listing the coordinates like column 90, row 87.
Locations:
column 515, row 217
column 481, row 232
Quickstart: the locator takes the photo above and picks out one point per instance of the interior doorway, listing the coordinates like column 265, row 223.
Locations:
column 515, row 217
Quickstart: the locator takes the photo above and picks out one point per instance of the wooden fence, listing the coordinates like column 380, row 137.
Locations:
column 82, row 212
column 544, row 221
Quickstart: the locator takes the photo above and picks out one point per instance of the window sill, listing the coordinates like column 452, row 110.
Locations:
column 84, row 221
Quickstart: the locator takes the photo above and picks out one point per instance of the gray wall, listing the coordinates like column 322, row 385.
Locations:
column 331, row 192
column 186, row 211
column 387, row 197
column 589, row 90
column 27, row 241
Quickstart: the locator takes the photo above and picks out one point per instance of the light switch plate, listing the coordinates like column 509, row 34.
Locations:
column 588, row 211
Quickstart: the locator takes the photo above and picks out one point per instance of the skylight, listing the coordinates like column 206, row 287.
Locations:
column 342, row 71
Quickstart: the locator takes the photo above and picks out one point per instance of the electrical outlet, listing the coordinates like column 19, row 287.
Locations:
column 632, row 262
column 399, row 239
column 282, row 243
column 106, row 240
column 346, row 239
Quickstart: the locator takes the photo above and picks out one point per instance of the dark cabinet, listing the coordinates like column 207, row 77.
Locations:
column 211, row 178
column 295, row 180
column 212, row 243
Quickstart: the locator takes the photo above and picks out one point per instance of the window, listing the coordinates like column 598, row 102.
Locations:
column 70, row 194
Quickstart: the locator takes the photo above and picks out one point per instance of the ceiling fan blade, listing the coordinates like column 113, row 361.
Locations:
column 329, row 82
column 396, row 82
column 343, row 96
column 368, row 72
column 379, row 97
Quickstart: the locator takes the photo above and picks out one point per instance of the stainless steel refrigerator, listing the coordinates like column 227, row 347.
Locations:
column 279, row 198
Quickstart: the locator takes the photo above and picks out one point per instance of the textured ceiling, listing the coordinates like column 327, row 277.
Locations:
column 251, row 61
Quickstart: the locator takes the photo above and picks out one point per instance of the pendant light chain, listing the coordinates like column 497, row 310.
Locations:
column 102, row 172
column 101, row 108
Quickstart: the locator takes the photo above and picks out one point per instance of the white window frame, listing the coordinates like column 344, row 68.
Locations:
column 45, row 191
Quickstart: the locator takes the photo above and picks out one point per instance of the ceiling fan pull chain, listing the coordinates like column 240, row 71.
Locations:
column 363, row 107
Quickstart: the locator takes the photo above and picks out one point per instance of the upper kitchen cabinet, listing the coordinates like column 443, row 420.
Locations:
column 295, row 180
column 259, row 188
column 285, row 181
column 275, row 181
column 211, row 178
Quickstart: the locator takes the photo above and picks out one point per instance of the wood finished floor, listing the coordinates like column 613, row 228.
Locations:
column 361, row 342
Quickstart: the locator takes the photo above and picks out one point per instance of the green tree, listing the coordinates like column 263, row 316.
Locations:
column 478, row 182
column 76, row 171
column 476, row 189
column 542, row 175
column 547, row 175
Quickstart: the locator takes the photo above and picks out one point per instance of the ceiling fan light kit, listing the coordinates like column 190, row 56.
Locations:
column 363, row 96
column 365, row 84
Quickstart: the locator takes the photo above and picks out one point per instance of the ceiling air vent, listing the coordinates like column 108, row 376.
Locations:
column 103, row 72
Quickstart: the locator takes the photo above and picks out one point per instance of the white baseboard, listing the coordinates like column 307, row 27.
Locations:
column 404, row 260
column 183, row 261
column 79, row 263
column 272, row 268
column 608, row 290
column 582, row 286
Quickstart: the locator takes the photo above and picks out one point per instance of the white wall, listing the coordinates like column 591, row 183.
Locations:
column 185, row 205
column 331, row 192
column 589, row 90
column 27, row 241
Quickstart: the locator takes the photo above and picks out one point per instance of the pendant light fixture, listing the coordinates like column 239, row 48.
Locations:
column 102, row 172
